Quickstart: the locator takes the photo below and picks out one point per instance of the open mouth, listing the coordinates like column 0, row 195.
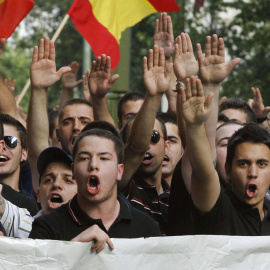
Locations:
column 73, row 140
column 93, row 185
column 147, row 158
column 3, row 159
column 56, row 199
column 251, row 190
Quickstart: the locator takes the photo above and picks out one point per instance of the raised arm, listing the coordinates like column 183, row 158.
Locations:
column 195, row 110
column 69, row 81
column 156, row 81
column 99, row 83
column 42, row 75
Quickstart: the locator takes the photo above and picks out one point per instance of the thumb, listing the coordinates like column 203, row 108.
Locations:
column 232, row 64
column 63, row 70
column 114, row 78
column 78, row 82
column 208, row 101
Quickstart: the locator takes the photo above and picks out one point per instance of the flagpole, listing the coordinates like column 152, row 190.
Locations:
column 55, row 36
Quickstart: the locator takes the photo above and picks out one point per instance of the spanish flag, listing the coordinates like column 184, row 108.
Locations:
column 11, row 14
column 101, row 22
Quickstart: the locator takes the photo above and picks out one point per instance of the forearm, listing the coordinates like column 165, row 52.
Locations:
column 37, row 129
column 211, row 122
column 101, row 110
column 172, row 96
column 181, row 124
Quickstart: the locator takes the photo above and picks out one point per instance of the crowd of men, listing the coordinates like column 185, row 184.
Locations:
column 70, row 174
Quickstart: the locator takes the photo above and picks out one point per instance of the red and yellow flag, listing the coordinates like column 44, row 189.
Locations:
column 11, row 14
column 101, row 22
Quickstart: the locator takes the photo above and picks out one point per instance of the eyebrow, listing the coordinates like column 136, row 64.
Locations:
column 105, row 153
column 129, row 114
column 87, row 153
column 172, row 137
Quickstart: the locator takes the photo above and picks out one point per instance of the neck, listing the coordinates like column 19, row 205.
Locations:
column 11, row 180
column 168, row 179
column 107, row 211
column 155, row 180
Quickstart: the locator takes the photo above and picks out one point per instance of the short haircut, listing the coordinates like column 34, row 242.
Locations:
column 125, row 128
column 1, row 131
column 231, row 122
column 168, row 117
column 223, row 118
column 72, row 102
column 251, row 133
column 238, row 104
column 52, row 115
column 118, row 144
column 133, row 96
column 9, row 120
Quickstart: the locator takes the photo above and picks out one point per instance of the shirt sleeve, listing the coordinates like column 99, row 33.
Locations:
column 16, row 221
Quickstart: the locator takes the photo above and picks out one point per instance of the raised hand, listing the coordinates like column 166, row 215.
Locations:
column 69, row 79
column 163, row 35
column 100, row 80
column 257, row 104
column 156, row 78
column 212, row 67
column 43, row 69
column 86, row 93
column 2, row 45
column 185, row 63
column 194, row 108
column 10, row 84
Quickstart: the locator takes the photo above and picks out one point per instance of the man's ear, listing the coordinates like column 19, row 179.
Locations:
column 38, row 193
column 24, row 155
column 57, row 134
column 120, row 172
column 228, row 172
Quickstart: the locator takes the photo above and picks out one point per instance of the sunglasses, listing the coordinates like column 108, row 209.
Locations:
column 11, row 142
column 155, row 137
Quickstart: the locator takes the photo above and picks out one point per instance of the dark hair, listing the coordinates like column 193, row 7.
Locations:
column 100, row 124
column 249, row 133
column 1, row 131
column 52, row 115
column 231, row 122
column 118, row 144
column 9, row 120
column 123, row 132
column 168, row 117
column 238, row 104
column 127, row 97
column 72, row 102
column 223, row 118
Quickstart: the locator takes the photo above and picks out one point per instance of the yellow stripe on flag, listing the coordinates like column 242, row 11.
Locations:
column 117, row 15
column 1, row 1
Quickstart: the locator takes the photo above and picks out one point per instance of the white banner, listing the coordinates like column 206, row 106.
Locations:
column 164, row 253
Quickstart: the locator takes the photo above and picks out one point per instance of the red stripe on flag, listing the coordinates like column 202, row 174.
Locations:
column 164, row 5
column 11, row 14
column 98, row 36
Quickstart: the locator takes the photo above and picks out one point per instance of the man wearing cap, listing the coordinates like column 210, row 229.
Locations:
column 56, row 188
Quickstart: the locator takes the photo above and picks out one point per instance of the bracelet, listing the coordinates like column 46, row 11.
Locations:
column 181, row 84
column 261, row 120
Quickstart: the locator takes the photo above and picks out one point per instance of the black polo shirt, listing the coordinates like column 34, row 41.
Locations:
column 145, row 198
column 230, row 216
column 69, row 220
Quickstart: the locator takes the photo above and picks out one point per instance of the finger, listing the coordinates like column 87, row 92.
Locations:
column 182, row 96
column 101, row 246
column 258, row 95
column 98, row 63
column 253, row 92
column 214, row 47
column 41, row 49
column 161, row 58
column 145, row 69
column 221, row 47
column 94, row 247
column 156, row 26
column 170, row 26
column 165, row 22
column 150, row 59
column 194, row 92
column 35, row 55
column 13, row 83
column 232, row 64
column 114, row 78
column 62, row 71
column 199, row 86
column 103, row 62
column 189, row 43
column 250, row 102
column 110, row 243
column 207, row 47
column 221, row 100
column 108, row 64
column 78, row 82
column 94, row 64
column 267, row 108
column 199, row 52
column 52, row 51
column 46, row 48
column 156, row 55
column 184, row 43
column 188, row 89
column 176, row 50
column 160, row 22
column 168, row 71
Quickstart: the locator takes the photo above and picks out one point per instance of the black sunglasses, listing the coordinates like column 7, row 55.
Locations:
column 155, row 137
column 11, row 142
